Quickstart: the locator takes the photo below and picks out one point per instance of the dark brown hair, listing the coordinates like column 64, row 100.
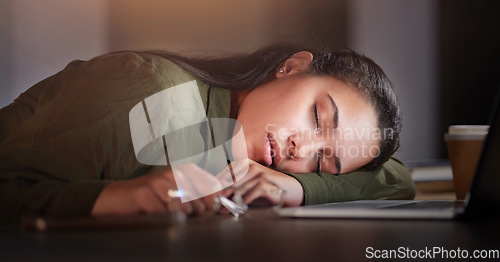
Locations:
column 248, row 71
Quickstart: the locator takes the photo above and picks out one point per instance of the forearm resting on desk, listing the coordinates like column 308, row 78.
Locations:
column 392, row 180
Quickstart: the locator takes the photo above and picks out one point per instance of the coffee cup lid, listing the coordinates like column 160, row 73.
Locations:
column 466, row 132
column 468, row 129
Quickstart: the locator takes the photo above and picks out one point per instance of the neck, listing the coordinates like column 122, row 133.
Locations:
column 237, row 97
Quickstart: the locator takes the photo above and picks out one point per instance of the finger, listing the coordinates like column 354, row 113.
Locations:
column 198, row 207
column 224, row 211
column 252, row 173
column 149, row 202
column 251, row 192
column 175, row 204
column 195, row 181
column 186, row 208
column 172, row 204
column 237, row 171
column 227, row 192
column 233, row 172
column 259, row 194
column 265, row 190
column 165, row 190
column 211, row 202
column 247, row 186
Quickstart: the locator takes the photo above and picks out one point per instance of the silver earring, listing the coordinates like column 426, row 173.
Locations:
column 281, row 70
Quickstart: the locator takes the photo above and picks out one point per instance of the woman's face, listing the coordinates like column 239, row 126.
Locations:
column 306, row 124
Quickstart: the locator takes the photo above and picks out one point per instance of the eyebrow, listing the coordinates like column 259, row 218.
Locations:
column 335, row 112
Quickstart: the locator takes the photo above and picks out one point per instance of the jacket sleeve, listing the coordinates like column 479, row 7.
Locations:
column 392, row 180
column 26, row 197
column 31, row 192
column 64, row 139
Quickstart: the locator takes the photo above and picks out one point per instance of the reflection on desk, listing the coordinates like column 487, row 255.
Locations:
column 258, row 236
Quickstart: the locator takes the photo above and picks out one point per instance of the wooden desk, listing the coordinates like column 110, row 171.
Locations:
column 260, row 236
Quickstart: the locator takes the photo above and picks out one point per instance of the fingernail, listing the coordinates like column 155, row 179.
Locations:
column 217, row 205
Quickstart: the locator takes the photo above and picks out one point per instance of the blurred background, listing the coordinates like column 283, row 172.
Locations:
column 443, row 56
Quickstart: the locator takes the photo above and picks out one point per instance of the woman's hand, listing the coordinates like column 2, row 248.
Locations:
column 149, row 194
column 263, row 183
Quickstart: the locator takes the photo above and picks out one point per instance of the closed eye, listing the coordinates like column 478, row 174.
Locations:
column 316, row 117
column 318, row 164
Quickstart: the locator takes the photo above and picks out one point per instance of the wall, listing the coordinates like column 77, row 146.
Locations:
column 470, row 61
column 401, row 36
column 222, row 25
column 6, row 93
column 41, row 37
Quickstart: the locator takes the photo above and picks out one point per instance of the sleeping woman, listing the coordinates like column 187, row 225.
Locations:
column 319, row 124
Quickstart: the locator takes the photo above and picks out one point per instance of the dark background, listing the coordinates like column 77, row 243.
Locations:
column 469, row 61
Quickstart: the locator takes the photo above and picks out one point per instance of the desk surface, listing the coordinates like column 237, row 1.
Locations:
column 259, row 236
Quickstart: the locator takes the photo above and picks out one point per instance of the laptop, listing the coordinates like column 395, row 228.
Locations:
column 482, row 199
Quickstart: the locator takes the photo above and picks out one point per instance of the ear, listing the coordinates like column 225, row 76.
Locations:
column 296, row 64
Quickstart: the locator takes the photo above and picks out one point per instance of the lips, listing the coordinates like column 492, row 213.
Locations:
column 268, row 154
column 272, row 156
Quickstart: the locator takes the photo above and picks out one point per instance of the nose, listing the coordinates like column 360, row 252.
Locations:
column 304, row 147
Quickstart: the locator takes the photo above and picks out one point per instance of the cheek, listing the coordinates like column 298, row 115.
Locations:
column 357, row 153
column 290, row 122
column 291, row 109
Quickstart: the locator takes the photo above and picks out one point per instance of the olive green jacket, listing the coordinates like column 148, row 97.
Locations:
column 63, row 140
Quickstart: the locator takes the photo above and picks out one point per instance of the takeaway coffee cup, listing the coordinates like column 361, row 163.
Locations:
column 464, row 143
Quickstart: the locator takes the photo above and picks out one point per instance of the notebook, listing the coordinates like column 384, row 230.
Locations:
column 482, row 199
